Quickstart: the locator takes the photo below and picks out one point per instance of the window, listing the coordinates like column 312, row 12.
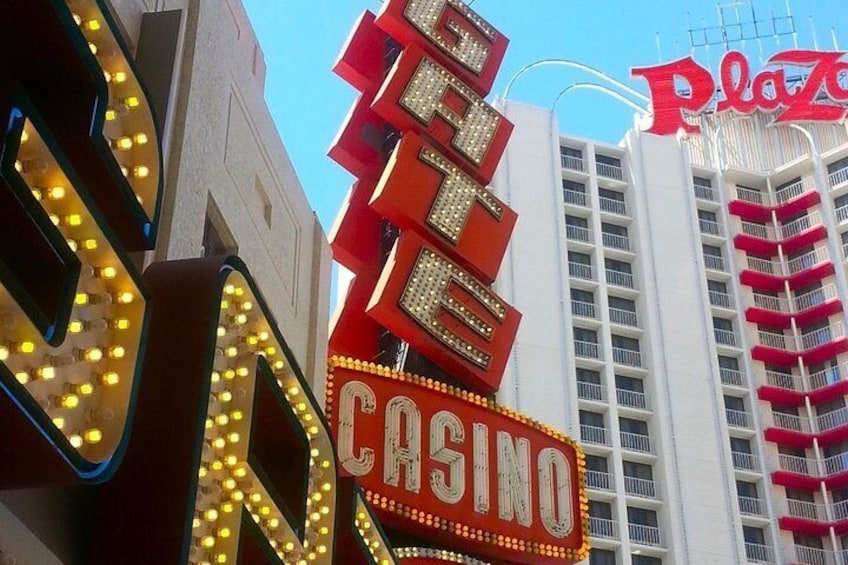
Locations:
column 734, row 403
column 717, row 286
column 601, row 557
column 573, row 186
column 607, row 160
column 641, row 516
column 740, row 445
column 579, row 258
column 798, row 494
column 747, row 489
column 582, row 334
column 213, row 242
column 576, row 222
column 614, row 229
column 582, row 296
column 622, row 303
column 844, row 237
column 751, row 194
column 588, row 376
column 754, row 535
column 796, row 180
column 808, row 541
column 627, row 343
column 631, row 426
column 591, row 419
column 837, row 165
column 711, row 250
column 620, row 266
column 701, row 181
column 571, row 152
column 599, row 509
column 595, row 463
column 707, row 215
column 645, row 560
column 731, row 363
column 638, row 471
column 723, row 324
column 629, row 383
column 611, row 194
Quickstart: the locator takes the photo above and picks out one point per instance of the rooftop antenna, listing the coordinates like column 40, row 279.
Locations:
column 815, row 35
column 835, row 41
column 659, row 48
column 792, row 19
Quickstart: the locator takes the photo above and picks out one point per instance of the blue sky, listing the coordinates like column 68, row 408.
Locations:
column 302, row 39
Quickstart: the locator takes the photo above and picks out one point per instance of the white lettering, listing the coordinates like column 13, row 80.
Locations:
column 442, row 422
column 407, row 455
column 351, row 392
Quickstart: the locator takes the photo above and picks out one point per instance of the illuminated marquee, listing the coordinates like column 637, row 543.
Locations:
column 743, row 94
column 425, row 237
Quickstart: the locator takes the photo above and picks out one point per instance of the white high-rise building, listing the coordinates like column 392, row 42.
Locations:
column 683, row 317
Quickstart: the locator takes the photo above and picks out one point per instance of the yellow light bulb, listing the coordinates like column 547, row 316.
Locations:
column 225, row 396
column 108, row 76
column 141, row 172
column 26, row 347
column 22, row 377
column 93, row 354
column 111, row 115
column 76, row 441
column 219, row 443
column 120, row 77
column 117, row 352
column 110, row 379
column 237, row 496
column 108, row 272
column 123, row 143
column 221, row 558
column 81, row 299
column 92, row 25
column 243, row 372
column 240, row 319
column 4, row 353
column 222, row 419
column 237, row 415
column 217, row 465
column 89, row 244
column 46, row 373
column 76, row 326
column 56, row 193
column 125, row 298
column 233, row 437
column 247, row 306
column 73, row 220
column 231, row 460
column 229, row 289
column 140, row 138
column 210, row 515
column 132, row 101
column 93, row 48
column 24, row 136
column 92, row 436
column 229, row 374
column 208, row 542
column 224, row 533
column 59, row 422
column 222, row 331
column 19, row 166
column 229, row 484
column 69, row 401
column 240, row 472
column 231, row 351
column 85, row 389
column 227, row 507
column 122, row 324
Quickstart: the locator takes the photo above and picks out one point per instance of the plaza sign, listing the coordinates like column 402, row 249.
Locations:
column 683, row 88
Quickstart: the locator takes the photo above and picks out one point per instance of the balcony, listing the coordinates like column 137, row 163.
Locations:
column 609, row 171
column 832, row 420
column 709, row 227
column 597, row 480
column 612, row 205
column 636, row 442
column 705, row 193
column 797, row 465
column 737, row 418
column 615, row 241
column 581, row 271
column 631, row 399
column 815, row 297
column 587, row 349
column 788, row 201
column 841, row 214
column 594, row 434
column 745, row 461
column 583, row 309
column 720, row 299
column 643, row 488
column 800, row 271
column 578, row 233
column 790, row 422
column 807, row 510
column 838, row 177
column 726, row 337
column 814, row 346
column 591, row 391
column 821, row 386
column 603, row 528
column 646, row 535
column 764, row 239
column 715, row 263
column 572, row 163
column 628, row 357
column 623, row 317
column 732, row 377
column 809, row 307
column 815, row 556
column 758, row 553
column 620, row 278
column 574, row 197
column 749, row 506
column 808, row 473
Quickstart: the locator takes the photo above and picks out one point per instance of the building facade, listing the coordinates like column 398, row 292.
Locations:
column 683, row 316
column 229, row 188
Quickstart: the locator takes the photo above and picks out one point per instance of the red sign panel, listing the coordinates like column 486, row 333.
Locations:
column 453, row 467
column 744, row 94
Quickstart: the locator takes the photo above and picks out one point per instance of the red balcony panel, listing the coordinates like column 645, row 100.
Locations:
column 797, row 205
column 795, row 480
column 774, row 356
column 825, row 351
column 809, row 276
column 840, row 527
column 800, row 525
column 838, row 481
column 818, row 312
column 828, row 393
column 789, row 437
column 830, row 437
column 779, row 395
column 804, row 239
column 757, row 315
column 755, row 245
column 750, row 211
column 756, row 279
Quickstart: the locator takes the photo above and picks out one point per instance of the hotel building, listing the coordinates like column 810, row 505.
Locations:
column 683, row 317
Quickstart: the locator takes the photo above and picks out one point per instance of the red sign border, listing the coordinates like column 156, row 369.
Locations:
column 378, row 500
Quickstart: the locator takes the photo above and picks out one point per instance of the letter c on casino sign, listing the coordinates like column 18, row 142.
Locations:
column 80, row 182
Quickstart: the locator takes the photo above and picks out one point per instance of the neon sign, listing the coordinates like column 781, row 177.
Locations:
column 743, row 94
